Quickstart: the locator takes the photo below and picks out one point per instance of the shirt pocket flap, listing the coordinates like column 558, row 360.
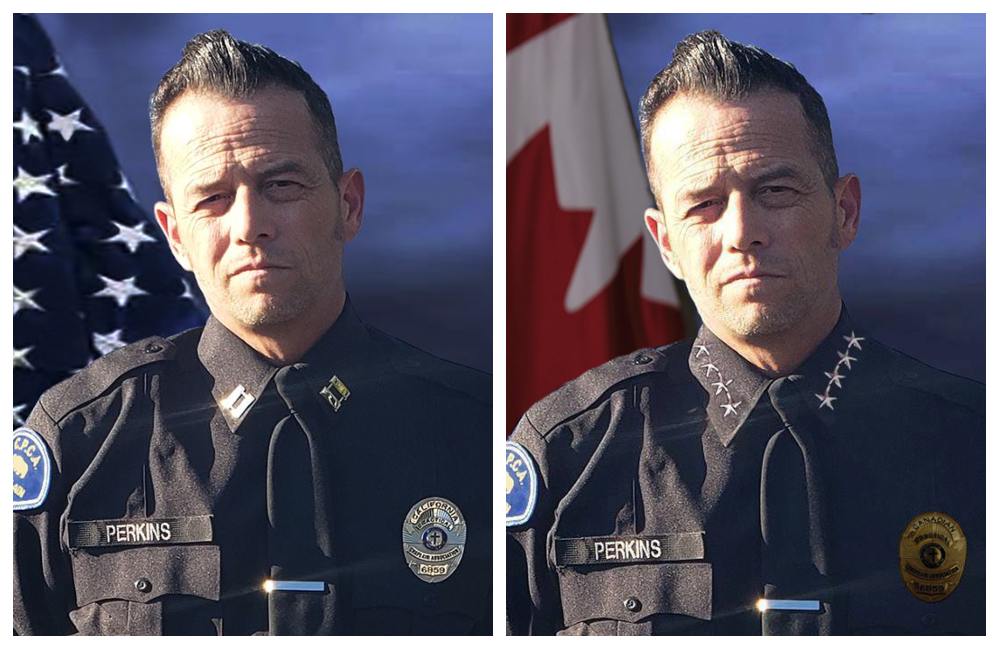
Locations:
column 145, row 573
column 633, row 592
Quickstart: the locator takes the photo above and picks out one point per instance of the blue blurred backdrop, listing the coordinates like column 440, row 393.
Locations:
column 907, row 100
column 412, row 95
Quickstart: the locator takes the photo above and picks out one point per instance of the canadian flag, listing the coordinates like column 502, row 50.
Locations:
column 584, row 281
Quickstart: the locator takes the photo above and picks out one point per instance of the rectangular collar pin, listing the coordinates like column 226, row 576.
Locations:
column 238, row 401
column 336, row 392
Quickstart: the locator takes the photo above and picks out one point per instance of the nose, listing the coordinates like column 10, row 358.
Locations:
column 745, row 226
column 251, row 221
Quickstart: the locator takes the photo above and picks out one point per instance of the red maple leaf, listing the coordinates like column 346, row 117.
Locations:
column 546, row 345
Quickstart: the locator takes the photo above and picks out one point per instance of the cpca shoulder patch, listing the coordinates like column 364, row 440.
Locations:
column 522, row 484
column 32, row 469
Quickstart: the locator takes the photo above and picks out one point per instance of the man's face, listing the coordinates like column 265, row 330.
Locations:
column 746, row 218
column 253, row 211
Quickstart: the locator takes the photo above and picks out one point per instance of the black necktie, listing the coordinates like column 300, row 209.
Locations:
column 303, row 571
column 793, row 518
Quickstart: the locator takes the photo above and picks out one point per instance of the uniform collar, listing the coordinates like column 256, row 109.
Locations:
column 241, row 374
column 734, row 385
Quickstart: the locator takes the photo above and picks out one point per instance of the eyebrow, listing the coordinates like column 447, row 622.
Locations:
column 766, row 176
column 774, row 173
column 283, row 167
column 269, row 171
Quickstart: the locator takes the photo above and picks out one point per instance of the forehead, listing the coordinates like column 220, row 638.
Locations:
column 200, row 127
column 695, row 136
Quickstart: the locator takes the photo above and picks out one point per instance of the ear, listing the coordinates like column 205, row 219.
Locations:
column 352, row 202
column 847, row 194
column 168, row 224
column 657, row 226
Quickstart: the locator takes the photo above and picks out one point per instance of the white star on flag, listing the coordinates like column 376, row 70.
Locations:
column 68, row 124
column 125, row 186
column 826, row 400
column 21, row 358
column 18, row 418
column 24, row 242
column 187, row 291
column 700, row 350
column 63, row 177
column 845, row 359
column 131, row 237
column 121, row 290
column 25, row 184
column 23, row 69
column 59, row 70
column 105, row 343
column 835, row 377
column 28, row 128
column 25, row 300
column 709, row 368
column 853, row 341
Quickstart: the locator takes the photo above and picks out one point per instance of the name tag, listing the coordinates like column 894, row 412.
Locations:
column 675, row 547
column 140, row 532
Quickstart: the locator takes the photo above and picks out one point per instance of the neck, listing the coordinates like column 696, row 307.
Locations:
column 780, row 353
column 286, row 343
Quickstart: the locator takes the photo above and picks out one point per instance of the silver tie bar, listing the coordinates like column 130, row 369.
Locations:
column 293, row 585
column 765, row 604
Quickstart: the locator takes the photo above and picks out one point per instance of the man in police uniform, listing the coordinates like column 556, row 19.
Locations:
column 287, row 469
column 782, row 473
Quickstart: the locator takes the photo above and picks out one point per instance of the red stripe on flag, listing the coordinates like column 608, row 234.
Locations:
column 546, row 345
column 524, row 27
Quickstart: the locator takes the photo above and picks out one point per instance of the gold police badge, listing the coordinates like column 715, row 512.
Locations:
column 932, row 553
column 433, row 538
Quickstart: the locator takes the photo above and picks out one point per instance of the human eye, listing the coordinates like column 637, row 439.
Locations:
column 213, row 201
column 777, row 196
column 706, row 209
column 284, row 189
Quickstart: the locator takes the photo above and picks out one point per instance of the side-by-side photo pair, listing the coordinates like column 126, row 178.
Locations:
column 280, row 311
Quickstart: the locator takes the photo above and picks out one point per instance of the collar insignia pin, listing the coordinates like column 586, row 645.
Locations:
column 238, row 402
column 336, row 392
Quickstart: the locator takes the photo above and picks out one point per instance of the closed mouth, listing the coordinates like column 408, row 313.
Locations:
column 258, row 267
column 754, row 275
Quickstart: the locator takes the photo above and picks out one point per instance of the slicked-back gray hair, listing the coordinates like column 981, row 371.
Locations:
column 215, row 62
column 709, row 64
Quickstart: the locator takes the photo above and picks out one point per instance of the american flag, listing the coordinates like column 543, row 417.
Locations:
column 92, row 271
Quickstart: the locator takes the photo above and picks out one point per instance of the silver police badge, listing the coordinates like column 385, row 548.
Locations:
column 433, row 538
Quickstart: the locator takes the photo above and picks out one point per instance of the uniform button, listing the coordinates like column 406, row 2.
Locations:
column 153, row 348
column 143, row 585
column 928, row 619
column 632, row 604
column 642, row 360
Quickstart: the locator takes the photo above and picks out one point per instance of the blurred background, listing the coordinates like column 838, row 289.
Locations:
column 907, row 101
column 412, row 96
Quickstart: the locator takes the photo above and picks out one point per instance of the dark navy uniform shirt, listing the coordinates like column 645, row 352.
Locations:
column 661, row 505
column 177, row 432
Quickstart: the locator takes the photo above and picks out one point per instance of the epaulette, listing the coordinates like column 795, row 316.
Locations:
column 410, row 360
column 915, row 374
column 583, row 392
column 99, row 376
